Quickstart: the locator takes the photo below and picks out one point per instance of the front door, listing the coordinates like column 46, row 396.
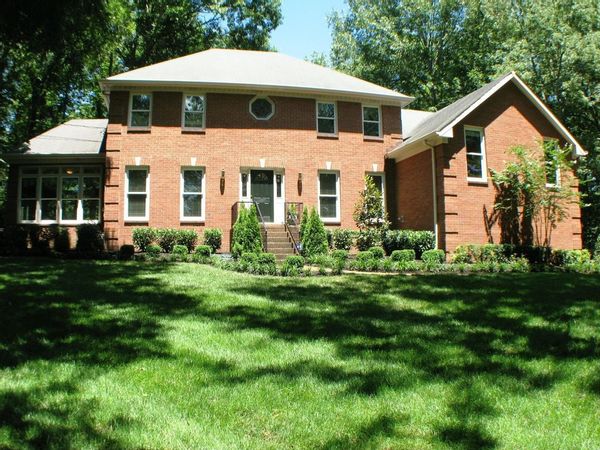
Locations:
column 261, row 190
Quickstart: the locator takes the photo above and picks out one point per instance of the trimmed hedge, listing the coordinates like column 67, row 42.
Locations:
column 203, row 250
column 433, row 257
column 419, row 241
column 343, row 238
column 153, row 250
column 213, row 237
column 403, row 256
column 377, row 252
column 143, row 237
column 179, row 249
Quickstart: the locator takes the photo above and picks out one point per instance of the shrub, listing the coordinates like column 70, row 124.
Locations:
column 536, row 255
column 340, row 255
column 295, row 261
column 167, row 238
column 179, row 249
column 342, row 239
column 570, row 257
column 126, row 252
column 419, row 241
column 187, row 238
column 213, row 237
column 246, row 233
column 597, row 249
column 153, row 250
column 403, row 256
column 303, row 222
column 377, row 252
column 266, row 258
column 62, row 240
column 321, row 261
column 89, row 238
column 487, row 253
column 433, row 257
column 367, row 238
column 364, row 256
column 203, row 250
column 13, row 240
column 143, row 237
column 314, row 237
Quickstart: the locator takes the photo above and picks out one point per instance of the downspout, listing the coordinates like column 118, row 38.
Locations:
column 434, row 189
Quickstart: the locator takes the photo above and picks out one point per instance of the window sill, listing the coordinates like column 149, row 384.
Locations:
column 331, row 221
column 139, row 129
column 190, row 220
column 478, row 181
column 327, row 136
column 68, row 223
column 136, row 220
column 193, row 131
column 373, row 138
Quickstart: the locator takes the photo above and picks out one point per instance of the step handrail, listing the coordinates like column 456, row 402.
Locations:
column 293, row 219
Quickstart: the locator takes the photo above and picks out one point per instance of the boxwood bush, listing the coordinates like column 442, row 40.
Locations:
column 419, row 241
column 343, row 238
column 143, row 237
column 203, row 250
column 180, row 249
column 153, row 250
column 403, row 256
column 213, row 237
column 187, row 238
column 433, row 257
column 377, row 252
column 166, row 238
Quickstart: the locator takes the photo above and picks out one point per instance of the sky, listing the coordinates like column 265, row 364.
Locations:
column 304, row 27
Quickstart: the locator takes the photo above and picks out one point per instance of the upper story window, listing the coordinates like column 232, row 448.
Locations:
column 371, row 121
column 552, row 165
column 64, row 194
column 193, row 114
column 137, row 186
column 329, row 196
column 326, row 118
column 262, row 108
column 140, row 110
column 475, row 145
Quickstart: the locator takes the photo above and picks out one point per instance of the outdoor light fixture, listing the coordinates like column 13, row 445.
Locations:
column 299, row 183
column 222, row 181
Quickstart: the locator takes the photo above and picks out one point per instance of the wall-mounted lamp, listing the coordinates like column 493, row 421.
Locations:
column 222, row 184
column 299, row 183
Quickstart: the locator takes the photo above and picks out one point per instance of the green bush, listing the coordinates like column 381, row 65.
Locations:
column 266, row 258
column 153, row 250
column 179, row 249
column 213, row 237
column 294, row 261
column 597, row 249
column 367, row 238
column 342, row 238
column 403, row 256
column 324, row 261
column 303, row 222
column 167, row 238
column 246, row 233
column 377, row 252
column 433, row 257
column 126, row 252
column 203, row 250
column 489, row 253
column 89, row 238
column 419, row 241
column 187, row 238
column 340, row 255
column 314, row 237
column 62, row 240
column 536, row 255
column 143, row 237
column 364, row 255
column 570, row 257
column 13, row 240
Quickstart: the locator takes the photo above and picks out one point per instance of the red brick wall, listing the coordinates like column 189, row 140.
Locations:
column 234, row 139
column 508, row 119
column 414, row 199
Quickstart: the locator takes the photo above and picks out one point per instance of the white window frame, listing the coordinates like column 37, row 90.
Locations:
column 146, row 217
column 483, row 179
column 59, row 194
column 335, row 118
column 131, row 110
column 335, row 219
column 183, row 111
column 378, row 122
column 557, row 184
column 258, row 97
column 202, row 194
column 382, row 175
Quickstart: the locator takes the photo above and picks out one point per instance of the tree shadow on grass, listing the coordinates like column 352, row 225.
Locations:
column 88, row 317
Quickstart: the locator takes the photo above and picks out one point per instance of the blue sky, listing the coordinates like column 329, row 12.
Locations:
column 304, row 27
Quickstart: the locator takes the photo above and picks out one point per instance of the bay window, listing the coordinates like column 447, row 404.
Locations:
column 329, row 196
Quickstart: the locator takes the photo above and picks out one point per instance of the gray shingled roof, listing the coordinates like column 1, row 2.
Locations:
column 442, row 118
column 254, row 70
column 75, row 137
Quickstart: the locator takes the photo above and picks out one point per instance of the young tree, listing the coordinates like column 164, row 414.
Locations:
column 370, row 216
column 314, row 236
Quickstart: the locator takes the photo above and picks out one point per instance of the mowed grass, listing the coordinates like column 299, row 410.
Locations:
column 125, row 355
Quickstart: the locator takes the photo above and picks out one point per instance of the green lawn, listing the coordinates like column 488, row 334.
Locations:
column 125, row 355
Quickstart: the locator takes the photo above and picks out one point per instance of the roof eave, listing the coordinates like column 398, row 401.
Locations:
column 52, row 157
column 404, row 151
column 391, row 99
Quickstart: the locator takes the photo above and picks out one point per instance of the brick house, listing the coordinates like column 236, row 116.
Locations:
column 188, row 139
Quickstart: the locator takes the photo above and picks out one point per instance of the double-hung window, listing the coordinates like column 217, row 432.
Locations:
column 326, row 118
column 137, row 182
column 193, row 114
column 329, row 196
column 371, row 121
column 140, row 110
column 552, row 166
column 475, row 145
column 60, row 194
column 192, row 194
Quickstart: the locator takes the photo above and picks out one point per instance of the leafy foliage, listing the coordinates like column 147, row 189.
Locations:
column 419, row 241
column 90, row 238
column 213, row 237
column 143, row 237
column 246, row 233
column 433, row 257
column 342, row 238
column 167, row 238
column 314, row 236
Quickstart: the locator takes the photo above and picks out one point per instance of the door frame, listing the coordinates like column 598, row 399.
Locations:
column 278, row 202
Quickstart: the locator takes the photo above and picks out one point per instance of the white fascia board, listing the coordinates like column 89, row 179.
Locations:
column 383, row 99
column 401, row 152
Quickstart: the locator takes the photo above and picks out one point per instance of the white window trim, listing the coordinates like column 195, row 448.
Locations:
column 146, row 217
column 335, row 118
column 147, row 127
column 59, row 177
column 200, row 218
column 483, row 179
column 265, row 98
column 557, row 184
column 193, row 94
column 378, row 122
column 335, row 219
